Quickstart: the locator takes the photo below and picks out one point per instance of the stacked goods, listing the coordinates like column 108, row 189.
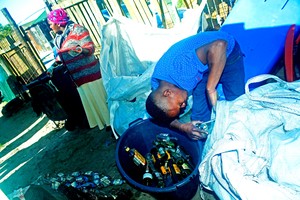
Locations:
column 166, row 164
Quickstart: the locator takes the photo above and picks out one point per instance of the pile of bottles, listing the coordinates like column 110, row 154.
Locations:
column 86, row 185
column 84, row 181
column 166, row 164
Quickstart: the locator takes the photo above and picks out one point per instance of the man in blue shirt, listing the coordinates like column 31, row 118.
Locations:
column 195, row 65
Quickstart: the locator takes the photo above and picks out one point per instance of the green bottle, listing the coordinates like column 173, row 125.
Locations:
column 185, row 168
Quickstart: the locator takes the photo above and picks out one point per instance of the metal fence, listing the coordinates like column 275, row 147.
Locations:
column 25, row 62
column 94, row 13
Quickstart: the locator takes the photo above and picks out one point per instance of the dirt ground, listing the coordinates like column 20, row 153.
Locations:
column 34, row 152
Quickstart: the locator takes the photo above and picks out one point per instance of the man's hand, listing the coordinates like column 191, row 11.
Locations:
column 192, row 131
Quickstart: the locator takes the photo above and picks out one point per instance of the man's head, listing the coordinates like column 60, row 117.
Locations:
column 166, row 103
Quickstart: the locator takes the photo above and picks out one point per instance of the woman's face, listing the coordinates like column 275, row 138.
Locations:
column 55, row 27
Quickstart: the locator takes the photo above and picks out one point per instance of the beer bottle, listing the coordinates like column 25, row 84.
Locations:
column 136, row 156
column 165, row 156
column 172, row 171
column 159, row 163
column 185, row 168
column 158, row 177
column 165, row 137
column 162, row 153
column 176, row 173
column 166, row 140
column 147, row 176
column 186, row 157
column 168, row 177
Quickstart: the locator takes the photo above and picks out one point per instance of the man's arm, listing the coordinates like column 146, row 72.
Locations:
column 216, row 59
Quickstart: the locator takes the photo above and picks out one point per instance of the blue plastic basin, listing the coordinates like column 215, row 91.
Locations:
column 140, row 136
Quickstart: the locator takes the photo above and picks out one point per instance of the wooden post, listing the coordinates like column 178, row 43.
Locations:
column 134, row 13
column 97, row 12
column 163, row 17
column 144, row 12
column 115, row 7
column 147, row 12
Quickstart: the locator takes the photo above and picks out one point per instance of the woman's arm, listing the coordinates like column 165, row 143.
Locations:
column 84, row 40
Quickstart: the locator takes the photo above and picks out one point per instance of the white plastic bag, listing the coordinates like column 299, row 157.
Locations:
column 253, row 135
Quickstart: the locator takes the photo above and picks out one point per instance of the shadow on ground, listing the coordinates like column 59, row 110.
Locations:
column 33, row 149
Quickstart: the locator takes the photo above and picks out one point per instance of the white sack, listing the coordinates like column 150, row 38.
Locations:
column 253, row 151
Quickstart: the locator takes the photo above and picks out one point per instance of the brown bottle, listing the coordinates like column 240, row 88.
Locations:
column 158, row 177
column 175, row 171
column 136, row 156
column 159, row 162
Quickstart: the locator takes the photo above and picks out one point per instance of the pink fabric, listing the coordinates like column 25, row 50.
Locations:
column 58, row 16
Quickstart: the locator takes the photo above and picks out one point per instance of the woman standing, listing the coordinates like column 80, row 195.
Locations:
column 75, row 49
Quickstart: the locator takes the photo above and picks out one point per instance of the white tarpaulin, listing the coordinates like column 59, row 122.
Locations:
column 128, row 56
column 253, row 150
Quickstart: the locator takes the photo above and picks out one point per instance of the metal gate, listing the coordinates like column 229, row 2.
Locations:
column 19, row 55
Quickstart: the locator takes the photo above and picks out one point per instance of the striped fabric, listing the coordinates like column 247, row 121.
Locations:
column 83, row 68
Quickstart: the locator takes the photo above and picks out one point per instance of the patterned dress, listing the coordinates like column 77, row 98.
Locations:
column 84, row 69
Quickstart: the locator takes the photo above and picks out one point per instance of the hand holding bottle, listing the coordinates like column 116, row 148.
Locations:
column 192, row 131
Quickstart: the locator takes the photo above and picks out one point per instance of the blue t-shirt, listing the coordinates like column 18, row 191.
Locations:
column 180, row 65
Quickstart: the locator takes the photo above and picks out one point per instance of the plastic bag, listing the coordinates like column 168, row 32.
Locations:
column 252, row 152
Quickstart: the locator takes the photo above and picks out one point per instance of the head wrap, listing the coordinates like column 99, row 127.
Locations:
column 58, row 16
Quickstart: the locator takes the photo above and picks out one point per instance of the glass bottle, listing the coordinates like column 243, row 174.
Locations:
column 172, row 172
column 136, row 156
column 185, row 168
column 147, row 176
column 159, row 163
column 175, row 171
column 158, row 177
column 186, row 157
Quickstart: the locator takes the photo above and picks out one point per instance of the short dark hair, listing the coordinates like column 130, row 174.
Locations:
column 156, row 112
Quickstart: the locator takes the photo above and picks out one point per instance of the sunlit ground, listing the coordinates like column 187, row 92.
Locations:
column 24, row 145
column 2, row 104
column 4, row 173
column 3, row 196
